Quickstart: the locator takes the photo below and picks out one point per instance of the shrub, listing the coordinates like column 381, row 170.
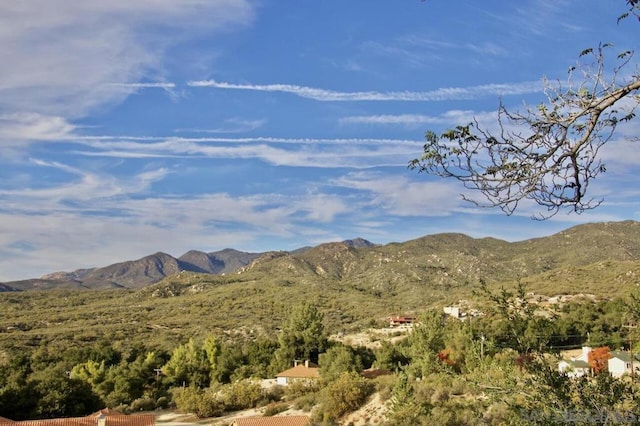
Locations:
column 123, row 408
column 202, row 403
column 344, row 395
column 143, row 404
column 275, row 393
column 275, row 408
column 300, row 388
column 384, row 386
column 241, row 395
column 306, row 402
column 162, row 402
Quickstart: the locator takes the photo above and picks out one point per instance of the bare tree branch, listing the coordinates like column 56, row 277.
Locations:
column 547, row 154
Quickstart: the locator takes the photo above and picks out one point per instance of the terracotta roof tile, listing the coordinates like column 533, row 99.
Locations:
column 273, row 421
column 134, row 420
column 111, row 419
column 300, row 372
column 5, row 420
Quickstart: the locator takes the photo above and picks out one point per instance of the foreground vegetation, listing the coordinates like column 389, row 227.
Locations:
column 493, row 369
column 199, row 342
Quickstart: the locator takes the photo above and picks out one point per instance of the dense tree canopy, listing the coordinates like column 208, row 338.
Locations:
column 302, row 337
column 494, row 369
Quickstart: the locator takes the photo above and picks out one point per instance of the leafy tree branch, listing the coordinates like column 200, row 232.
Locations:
column 548, row 154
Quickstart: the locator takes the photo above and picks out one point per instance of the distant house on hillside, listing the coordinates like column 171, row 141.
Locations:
column 301, row 371
column 461, row 313
column 397, row 321
column 576, row 366
column 452, row 311
column 273, row 421
column 104, row 417
column 620, row 363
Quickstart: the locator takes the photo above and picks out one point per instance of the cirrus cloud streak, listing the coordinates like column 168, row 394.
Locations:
column 442, row 94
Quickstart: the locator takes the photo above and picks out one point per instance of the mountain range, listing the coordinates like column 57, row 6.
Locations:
column 443, row 260
column 161, row 300
column 150, row 269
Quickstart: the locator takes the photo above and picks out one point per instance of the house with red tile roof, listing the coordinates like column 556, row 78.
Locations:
column 395, row 321
column 104, row 417
column 301, row 371
column 273, row 421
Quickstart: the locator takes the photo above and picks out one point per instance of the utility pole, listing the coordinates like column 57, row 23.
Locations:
column 630, row 326
column 482, row 339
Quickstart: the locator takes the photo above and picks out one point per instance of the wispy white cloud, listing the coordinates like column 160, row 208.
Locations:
column 622, row 156
column 411, row 57
column 232, row 125
column 442, row 94
column 87, row 186
column 292, row 152
column 447, row 118
column 488, row 48
column 538, row 16
column 158, row 85
column 403, row 119
column 129, row 142
column 434, row 46
column 541, row 18
column 61, row 56
column 18, row 127
column 46, row 229
column 400, row 196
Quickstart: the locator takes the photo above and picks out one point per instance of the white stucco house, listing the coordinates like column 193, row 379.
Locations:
column 306, row 372
column 576, row 366
column 620, row 363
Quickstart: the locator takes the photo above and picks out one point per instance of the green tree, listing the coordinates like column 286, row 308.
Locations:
column 522, row 329
column 258, row 356
column 427, row 336
column 405, row 410
column 18, row 401
column 59, row 395
column 390, row 356
column 424, row 343
column 537, row 393
column 303, row 336
column 545, row 397
column 631, row 317
column 339, row 359
column 550, row 153
column 230, row 358
column 211, row 349
column 189, row 364
column 91, row 372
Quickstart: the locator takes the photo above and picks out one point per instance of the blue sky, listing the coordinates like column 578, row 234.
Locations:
column 134, row 126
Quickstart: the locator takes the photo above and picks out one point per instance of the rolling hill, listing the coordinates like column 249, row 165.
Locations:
column 162, row 300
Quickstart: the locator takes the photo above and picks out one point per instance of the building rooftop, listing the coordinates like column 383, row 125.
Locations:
column 111, row 418
column 301, row 371
column 273, row 421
